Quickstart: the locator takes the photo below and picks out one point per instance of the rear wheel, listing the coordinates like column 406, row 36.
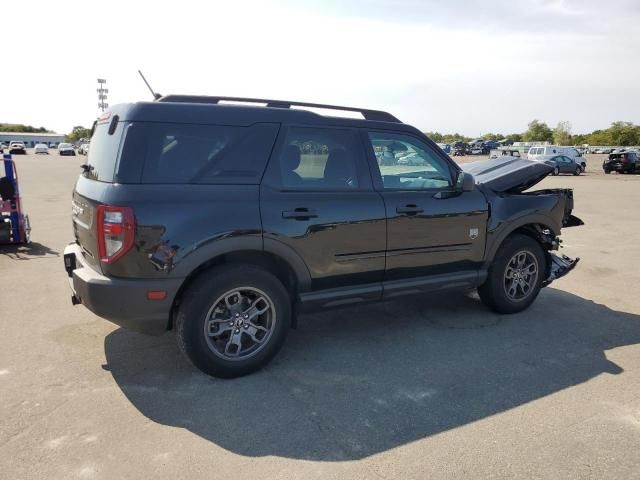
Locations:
column 515, row 276
column 233, row 320
column 556, row 171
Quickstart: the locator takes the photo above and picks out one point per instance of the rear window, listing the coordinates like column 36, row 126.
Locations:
column 104, row 152
column 201, row 154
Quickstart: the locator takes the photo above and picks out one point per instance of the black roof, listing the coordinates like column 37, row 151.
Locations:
column 209, row 110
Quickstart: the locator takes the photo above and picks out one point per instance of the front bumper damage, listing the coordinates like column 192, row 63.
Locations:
column 560, row 265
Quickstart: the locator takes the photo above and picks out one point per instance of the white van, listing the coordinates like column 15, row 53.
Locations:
column 547, row 152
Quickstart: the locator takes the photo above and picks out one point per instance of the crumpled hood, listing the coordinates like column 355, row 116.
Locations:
column 508, row 174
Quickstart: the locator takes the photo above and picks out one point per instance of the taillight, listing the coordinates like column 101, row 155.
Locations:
column 116, row 231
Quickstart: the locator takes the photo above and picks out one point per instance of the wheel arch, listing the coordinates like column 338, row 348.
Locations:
column 533, row 227
column 283, row 263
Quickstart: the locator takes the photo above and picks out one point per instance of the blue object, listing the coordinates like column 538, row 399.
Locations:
column 14, row 217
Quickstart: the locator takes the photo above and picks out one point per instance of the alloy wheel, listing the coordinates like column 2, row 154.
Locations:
column 240, row 323
column 521, row 275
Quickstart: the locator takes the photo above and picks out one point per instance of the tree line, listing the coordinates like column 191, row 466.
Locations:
column 19, row 128
column 619, row 134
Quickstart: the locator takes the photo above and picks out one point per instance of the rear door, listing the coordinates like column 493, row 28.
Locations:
column 317, row 199
column 431, row 229
column 567, row 165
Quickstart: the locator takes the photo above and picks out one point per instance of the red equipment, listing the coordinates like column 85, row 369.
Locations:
column 14, row 223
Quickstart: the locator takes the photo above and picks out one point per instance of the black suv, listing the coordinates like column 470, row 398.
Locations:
column 627, row 162
column 223, row 221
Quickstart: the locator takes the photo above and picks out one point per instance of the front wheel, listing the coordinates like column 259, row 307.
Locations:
column 577, row 171
column 233, row 320
column 515, row 276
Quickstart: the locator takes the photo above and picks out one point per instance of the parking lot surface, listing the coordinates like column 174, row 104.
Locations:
column 426, row 387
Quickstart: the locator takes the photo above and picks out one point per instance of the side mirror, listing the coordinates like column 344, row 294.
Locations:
column 465, row 182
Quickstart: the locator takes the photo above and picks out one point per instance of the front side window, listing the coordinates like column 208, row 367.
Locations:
column 319, row 159
column 406, row 163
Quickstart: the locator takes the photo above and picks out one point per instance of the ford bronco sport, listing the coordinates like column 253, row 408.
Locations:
column 223, row 221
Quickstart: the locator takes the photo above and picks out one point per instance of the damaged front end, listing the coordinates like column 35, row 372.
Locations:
column 541, row 213
column 559, row 267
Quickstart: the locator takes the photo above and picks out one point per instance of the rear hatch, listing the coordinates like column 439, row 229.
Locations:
column 95, row 180
column 617, row 160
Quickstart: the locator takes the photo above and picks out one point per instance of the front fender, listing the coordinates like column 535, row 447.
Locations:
column 511, row 212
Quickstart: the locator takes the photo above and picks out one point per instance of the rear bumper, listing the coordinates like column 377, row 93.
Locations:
column 617, row 167
column 121, row 301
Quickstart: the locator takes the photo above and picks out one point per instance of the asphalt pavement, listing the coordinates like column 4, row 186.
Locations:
column 426, row 387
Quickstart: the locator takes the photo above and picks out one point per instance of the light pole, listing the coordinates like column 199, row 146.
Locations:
column 102, row 94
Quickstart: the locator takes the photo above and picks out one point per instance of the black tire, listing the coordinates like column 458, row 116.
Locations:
column 577, row 171
column 607, row 172
column 200, row 298
column 493, row 291
column 556, row 171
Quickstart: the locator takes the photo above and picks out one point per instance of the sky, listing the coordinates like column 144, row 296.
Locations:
column 451, row 66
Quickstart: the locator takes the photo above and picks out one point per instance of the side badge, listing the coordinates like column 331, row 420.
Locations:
column 473, row 233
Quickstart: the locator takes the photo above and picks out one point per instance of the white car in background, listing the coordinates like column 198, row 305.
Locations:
column 41, row 148
column 83, row 149
column 547, row 152
column 66, row 149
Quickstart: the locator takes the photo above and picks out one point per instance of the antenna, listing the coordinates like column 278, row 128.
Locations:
column 155, row 95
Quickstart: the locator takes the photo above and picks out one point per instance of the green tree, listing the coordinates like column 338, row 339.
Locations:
column 624, row 133
column 562, row 134
column 538, row 131
column 19, row 128
column 580, row 139
column 492, row 136
column 514, row 137
column 78, row 133
column 435, row 136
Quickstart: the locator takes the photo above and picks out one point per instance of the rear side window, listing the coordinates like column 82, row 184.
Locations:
column 200, row 154
column 103, row 153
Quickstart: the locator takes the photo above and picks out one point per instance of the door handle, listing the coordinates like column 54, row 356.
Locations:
column 300, row 214
column 409, row 209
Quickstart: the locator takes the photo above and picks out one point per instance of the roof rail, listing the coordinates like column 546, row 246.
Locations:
column 376, row 115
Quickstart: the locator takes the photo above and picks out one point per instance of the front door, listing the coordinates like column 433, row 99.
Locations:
column 434, row 231
column 318, row 200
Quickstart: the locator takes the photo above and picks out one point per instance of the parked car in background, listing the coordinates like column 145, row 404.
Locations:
column 41, row 148
column 458, row 152
column 66, row 149
column 17, row 148
column 547, row 152
column 626, row 162
column 459, row 149
column 83, row 149
column 446, row 148
column 564, row 164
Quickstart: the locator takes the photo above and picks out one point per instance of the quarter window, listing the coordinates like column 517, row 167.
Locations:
column 206, row 154
column 405, row 163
